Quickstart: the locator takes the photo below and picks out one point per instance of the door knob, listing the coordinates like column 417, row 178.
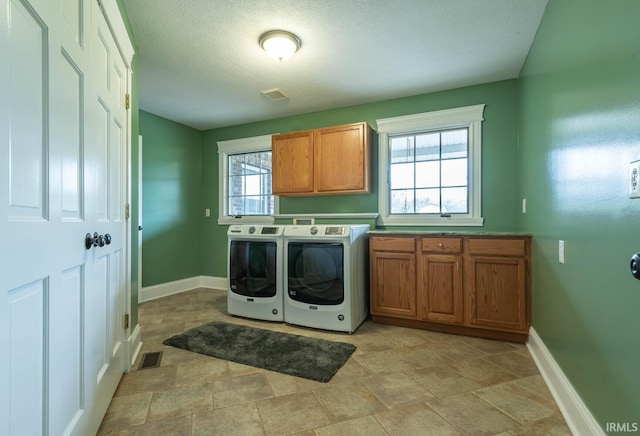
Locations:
column 88, row 241
column 635, row 265
column 96, row 240
column 91, row 241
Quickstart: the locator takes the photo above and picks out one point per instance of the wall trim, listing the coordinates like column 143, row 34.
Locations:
column 213, row 282
column 354, row 215
column 132, row 348
column 116, row 22
column 575, row 411
column 149, row 293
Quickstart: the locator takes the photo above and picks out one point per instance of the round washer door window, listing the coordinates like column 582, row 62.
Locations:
column 317, row 270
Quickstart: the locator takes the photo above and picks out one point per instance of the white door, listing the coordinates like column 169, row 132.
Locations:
column 63, row 169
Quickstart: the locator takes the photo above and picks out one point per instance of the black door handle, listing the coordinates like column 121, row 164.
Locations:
column 96, row 240
column 88, row 241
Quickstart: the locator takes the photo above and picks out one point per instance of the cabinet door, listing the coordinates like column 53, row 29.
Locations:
column 341, row 158
column 440, row 295
column 292, row 160
column 393, row 284
column 497, row 291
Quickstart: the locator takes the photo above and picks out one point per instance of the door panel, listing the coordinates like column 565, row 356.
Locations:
column 116, row 155
column 101, row 140
column 69, row 122
column 71, row 12
column 66, row 386
column 28, row 87
column 97, row 309
column 27, row 347
column 115, row 302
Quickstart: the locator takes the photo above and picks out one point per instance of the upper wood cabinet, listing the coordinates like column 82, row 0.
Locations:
column 292, row 163
column 331, row 160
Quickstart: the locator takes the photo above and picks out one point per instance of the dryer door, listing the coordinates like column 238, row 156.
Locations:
column 315, row 272
column 252, row 268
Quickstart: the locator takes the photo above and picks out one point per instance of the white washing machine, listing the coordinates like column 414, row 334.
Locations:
column 325, row 273
column 255, row 283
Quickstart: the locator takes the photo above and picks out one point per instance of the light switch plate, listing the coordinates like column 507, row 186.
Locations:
column 634, row 179
column 561, row 251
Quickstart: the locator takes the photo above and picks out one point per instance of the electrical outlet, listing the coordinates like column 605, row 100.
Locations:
column 207, row 212
column 634, row 179
column 561, row 251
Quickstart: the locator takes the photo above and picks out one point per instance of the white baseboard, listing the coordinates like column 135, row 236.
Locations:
column 164, row 289
column 213, row 282
column 133, row 347
column 576, row 413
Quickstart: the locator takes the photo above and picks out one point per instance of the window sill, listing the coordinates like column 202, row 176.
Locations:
column 430, row 221
column 246, row 219
column 345, row 215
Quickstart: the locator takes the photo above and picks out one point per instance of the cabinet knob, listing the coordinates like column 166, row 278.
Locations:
column 440, row 244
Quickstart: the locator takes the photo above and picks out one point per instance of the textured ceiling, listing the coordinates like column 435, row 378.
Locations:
column 200, row 64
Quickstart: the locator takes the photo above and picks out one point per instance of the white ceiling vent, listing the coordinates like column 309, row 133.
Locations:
column 275, row 94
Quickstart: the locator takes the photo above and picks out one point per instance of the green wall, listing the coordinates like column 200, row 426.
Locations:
column 499, row 158
column 579, row 117
column 171, row 200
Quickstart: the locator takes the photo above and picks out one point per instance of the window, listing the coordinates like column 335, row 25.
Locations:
column 430, row 168
column 249, row 188
column 245, row 181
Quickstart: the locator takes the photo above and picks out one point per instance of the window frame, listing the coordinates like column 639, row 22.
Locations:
column 469, row 117
column 254, row 144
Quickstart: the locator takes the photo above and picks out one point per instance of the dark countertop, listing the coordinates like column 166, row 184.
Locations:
column 444, row 233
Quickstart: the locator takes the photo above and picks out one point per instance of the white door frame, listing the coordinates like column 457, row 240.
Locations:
column 140, row 227
column 112, row 14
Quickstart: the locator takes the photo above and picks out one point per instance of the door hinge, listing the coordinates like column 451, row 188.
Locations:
column 127, row 212
column 127, row 101
column 126, row 321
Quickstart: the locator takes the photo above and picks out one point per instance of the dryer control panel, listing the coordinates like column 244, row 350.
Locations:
column 334, row 231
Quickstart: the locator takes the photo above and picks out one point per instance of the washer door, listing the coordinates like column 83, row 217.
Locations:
column 252, row 268
column 316, row 272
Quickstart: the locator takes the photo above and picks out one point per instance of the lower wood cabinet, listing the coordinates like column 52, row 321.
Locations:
column 393, row 275
column 440, row 290
column 478, row 286
column 498, row 276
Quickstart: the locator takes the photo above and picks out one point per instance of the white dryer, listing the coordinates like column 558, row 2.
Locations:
column 254, row 271
column 325, row 271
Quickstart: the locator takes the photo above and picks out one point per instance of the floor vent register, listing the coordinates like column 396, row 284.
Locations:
column 151, row 360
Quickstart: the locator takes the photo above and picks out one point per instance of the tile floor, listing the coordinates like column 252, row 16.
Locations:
column 399, row 381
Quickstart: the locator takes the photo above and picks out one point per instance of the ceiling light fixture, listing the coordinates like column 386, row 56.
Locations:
column 279, row 44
